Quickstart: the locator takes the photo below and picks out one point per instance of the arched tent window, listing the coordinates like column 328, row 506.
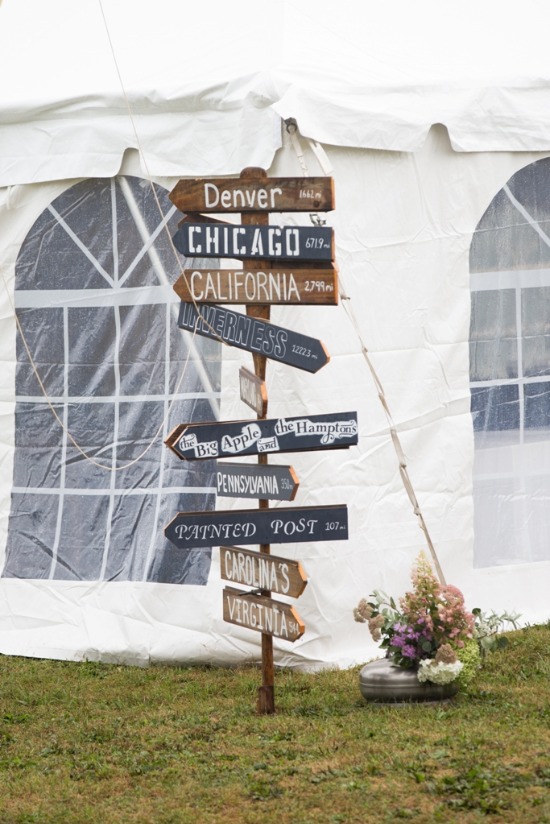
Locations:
column 510, row 371
column 94, row 299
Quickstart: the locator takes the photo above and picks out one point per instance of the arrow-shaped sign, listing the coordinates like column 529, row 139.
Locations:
column 254, row 335
column 229, row 439
column 268, row 482
column 226, row 240
column 266, row 285
column 262, row 614
column 254, row 194
column 283, row 525
column 256, row 569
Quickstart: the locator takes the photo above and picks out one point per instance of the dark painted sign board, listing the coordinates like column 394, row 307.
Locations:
column 228, row 240
column 255, row 569
column 261, row 194
column 226, row 439
column 262, row 614
column 282, row 525
column 267, row 482
column 254, row 335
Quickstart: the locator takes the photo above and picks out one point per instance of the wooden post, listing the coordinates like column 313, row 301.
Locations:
column 266, row 693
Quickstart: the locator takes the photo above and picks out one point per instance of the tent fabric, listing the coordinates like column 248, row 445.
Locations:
column 208, row 94
column 205, row 94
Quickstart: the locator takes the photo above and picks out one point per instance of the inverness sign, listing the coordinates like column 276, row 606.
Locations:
column 265, row 286
column 262, row 614
column 227, row 240
column 254, row 569
column 227, row 439
column 254, row 194
column 283, row 525
column 254, row 335
column 264, row 482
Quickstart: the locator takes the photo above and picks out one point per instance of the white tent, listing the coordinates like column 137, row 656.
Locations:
column 434, row 120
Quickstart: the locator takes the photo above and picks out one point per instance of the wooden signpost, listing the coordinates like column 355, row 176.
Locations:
column 268, row 285
column 254, row 193
column 266, row 483
column 199, row 441
column 253, row 392
column 262, row 614
column 228, row 240
column 279, row 265
column 253, row 569
column 254, row 335
column 283, row 525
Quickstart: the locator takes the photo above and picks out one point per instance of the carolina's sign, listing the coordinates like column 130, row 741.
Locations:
column 262, row 614
column 264, row 482
column 255, row 569
column 230, row 438
column 224, row 240
column 253, row 391
column 263, row 194
column 283, row 525
column 265, row 286
column 254, row 335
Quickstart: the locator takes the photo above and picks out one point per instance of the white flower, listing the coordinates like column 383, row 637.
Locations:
column 438, row 673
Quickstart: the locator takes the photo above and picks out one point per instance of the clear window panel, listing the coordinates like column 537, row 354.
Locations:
column 535, row 322
column 493, row 335
column 495, row 408
column 94, row 489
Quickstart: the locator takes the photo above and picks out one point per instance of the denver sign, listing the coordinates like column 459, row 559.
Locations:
column 254, row 191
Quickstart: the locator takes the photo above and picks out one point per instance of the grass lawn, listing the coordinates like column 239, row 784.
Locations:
column 93, row 742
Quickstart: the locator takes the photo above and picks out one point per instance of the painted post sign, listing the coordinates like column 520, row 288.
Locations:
column 227, row 439
column 254, row 191
column 283, row 525
column 262, row 614
column 253, row 391
column 227, row 240
column 254, row 335
column 266, row 286
column 254, row 569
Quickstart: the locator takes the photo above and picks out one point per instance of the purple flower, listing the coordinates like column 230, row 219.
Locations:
column 408, row 651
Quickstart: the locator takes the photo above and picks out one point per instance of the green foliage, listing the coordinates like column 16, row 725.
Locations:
column 86, row 743
column 488, row 628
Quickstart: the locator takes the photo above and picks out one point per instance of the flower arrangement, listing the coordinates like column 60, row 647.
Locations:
column 428, row 631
